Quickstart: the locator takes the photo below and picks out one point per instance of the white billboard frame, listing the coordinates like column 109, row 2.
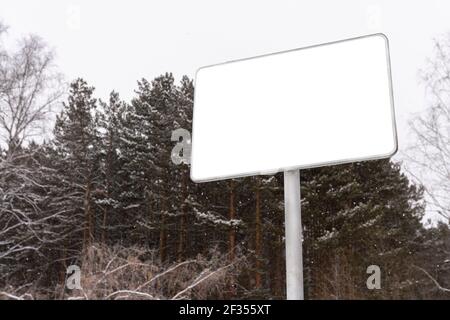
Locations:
column 315, row 165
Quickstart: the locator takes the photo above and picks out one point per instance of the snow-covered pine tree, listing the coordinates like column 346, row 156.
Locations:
column 108, row 194
column 134, row 173
column 76, row 144
column 162, row 96
column 182, row 185
column 357, row 215
column 430, row 273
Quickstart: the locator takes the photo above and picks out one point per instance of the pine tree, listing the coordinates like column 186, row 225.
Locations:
column 77, row 143
column 108, row 197
column 364, row 213
column 432, row 264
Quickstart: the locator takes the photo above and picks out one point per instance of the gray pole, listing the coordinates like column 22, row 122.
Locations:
column 294, row 235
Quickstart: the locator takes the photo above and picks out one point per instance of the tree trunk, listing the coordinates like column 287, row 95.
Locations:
column 63, row 271
column 151, row 218
column 87, row 236
column 279, row 287
column 258, row 236
column 182, row 231
column 232, row 215
column 231, row 238
column 109, row 174
column 105, row 213
column 163, row 234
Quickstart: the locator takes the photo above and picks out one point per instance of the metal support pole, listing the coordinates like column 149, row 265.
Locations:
column 294, row 236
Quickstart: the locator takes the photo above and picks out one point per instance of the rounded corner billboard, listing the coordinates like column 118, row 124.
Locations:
column 320, row 105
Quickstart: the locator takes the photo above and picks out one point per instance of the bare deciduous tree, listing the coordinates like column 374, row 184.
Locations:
column 429, row 157
column 30, row 85
column 3, row 57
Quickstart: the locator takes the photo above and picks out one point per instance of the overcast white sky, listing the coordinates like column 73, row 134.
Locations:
column 112, row 44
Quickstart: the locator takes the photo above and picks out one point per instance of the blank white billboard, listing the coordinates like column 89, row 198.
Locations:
column 309, row 107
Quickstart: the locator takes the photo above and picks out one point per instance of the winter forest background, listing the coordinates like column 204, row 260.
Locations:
column 101, row 192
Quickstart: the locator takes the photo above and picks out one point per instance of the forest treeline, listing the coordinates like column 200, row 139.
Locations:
column 100, row 200
column 103, row 194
